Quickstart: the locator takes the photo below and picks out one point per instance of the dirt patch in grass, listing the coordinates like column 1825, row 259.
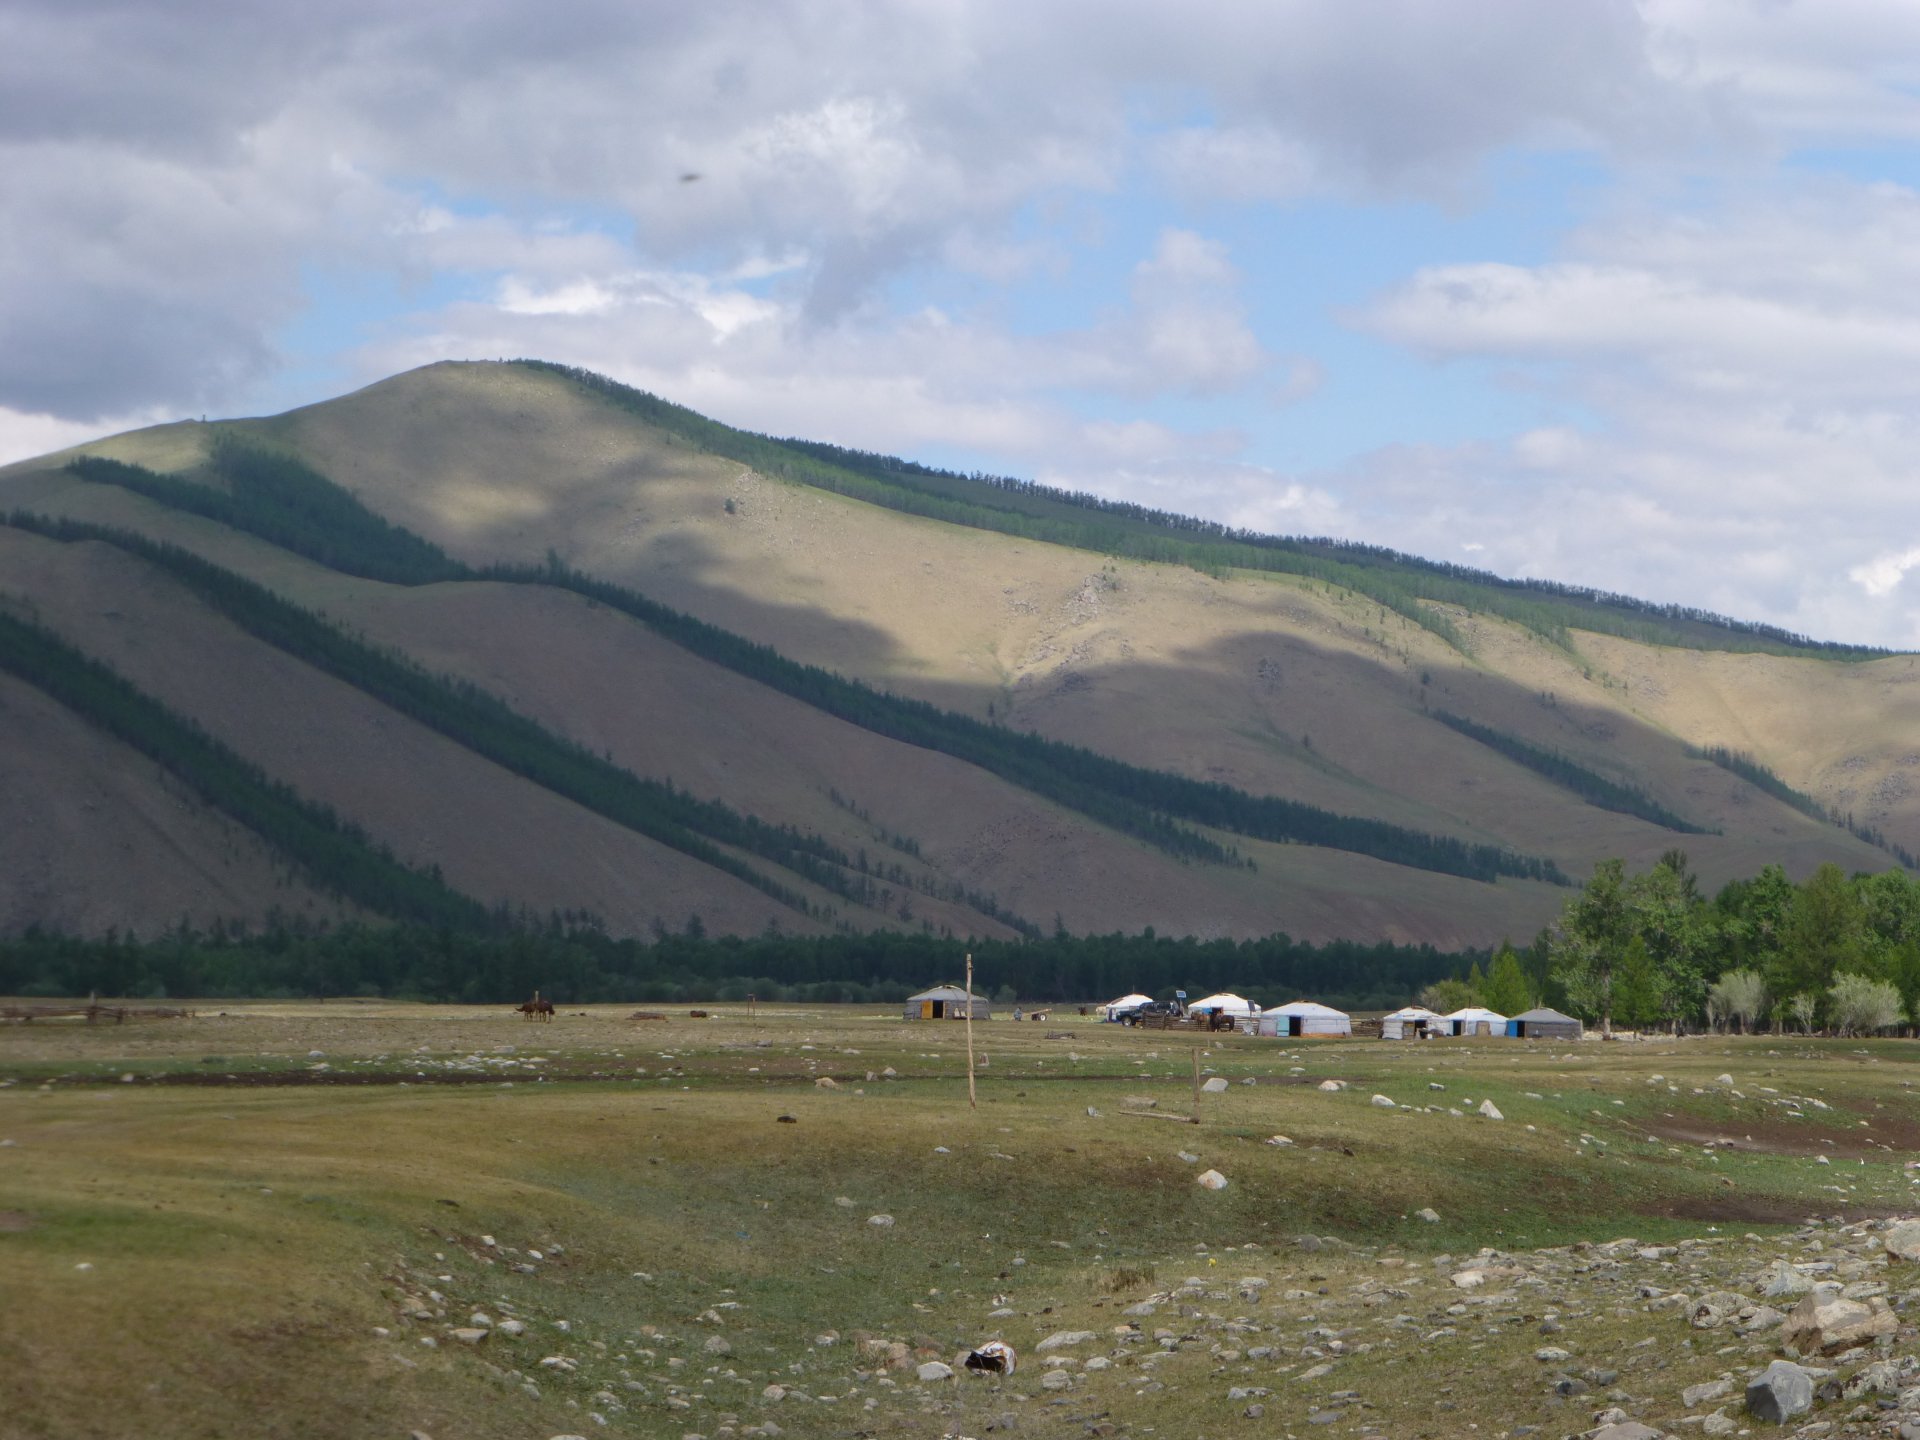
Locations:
column 13, row 1222
column 1780, row 1137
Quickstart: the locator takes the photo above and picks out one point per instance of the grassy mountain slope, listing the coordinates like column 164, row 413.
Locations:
column 435, row 804
column 1162, row 665
column 96, row 807
column 1278, row 685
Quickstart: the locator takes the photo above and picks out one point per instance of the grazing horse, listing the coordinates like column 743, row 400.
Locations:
column 536, row 1008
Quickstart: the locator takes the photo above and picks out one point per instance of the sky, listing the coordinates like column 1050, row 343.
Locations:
column 1616, row 294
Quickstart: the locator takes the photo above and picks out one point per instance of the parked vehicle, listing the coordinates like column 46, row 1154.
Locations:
column 1154, row 1012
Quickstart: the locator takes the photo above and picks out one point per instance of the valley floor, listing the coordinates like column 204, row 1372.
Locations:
column 371, row 1219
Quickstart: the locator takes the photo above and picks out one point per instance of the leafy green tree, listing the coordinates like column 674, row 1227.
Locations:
column 1826, row 935
column 1589, row 940
column 1639, row 996
column 1505, row 988
column 1670, row 921
column 1448, row 995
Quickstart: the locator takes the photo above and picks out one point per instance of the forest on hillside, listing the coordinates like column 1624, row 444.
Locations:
column 280, row 499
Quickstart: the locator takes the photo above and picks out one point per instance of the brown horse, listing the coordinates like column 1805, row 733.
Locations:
column 536, row 1008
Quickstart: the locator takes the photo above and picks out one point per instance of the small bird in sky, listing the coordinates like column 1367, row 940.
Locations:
column 687, row 177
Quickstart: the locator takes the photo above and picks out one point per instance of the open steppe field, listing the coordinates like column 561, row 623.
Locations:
column 370, row 1219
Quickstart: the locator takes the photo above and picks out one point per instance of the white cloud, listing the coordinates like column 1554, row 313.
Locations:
column 24, row 435
column 1727, row 369
column 1880, row 576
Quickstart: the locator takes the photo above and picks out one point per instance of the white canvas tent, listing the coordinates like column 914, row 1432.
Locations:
column 1472, row 1020
column 1227, row 1003
column 1125, row 1002
column 1408, row 1023
column 1304, row 1017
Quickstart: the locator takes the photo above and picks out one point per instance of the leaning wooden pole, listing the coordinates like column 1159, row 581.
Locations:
column 973, row 1101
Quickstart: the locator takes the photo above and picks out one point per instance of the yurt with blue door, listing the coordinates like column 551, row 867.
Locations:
column 1472, row 1020
column 1304, row 1018
column 1544, row 1023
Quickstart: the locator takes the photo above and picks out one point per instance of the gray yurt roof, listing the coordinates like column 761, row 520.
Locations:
column 1546, row 1014
column 944, row 992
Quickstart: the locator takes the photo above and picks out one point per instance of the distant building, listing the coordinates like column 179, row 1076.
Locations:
column 1544, row 1024
column 1415, row 1022
column 1473, row 1020
column 946, row 1002
column 1304, row 1017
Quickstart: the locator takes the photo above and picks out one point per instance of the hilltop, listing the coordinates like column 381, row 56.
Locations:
column 535, row 643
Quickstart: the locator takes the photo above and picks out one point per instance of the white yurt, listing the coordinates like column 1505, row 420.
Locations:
column 1412, row 1023
column 1304, row 1017
column 1226, row 1003
column 1473, row 1020
column 1125, row 1002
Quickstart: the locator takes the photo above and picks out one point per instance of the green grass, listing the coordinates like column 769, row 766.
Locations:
column 248, row 1240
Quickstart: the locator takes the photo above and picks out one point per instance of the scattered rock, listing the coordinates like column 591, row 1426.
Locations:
column 1711, row 1311
column 1696, row 1395
column 1826, row 1322
column 1212, row 1180
column 1783, row 1281
column 1214, row 1086
column 1332, row 1085
column 880, row 1222
column 934, row 1370
column 1384, row 1102
column 1490, row 1110
column 1903, row 1240
column 1430, row 1215
column 1780, row 1392
column 1061, row 1339
column 469, row 1334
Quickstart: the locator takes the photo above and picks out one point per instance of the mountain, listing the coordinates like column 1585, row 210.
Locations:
column 496, row 640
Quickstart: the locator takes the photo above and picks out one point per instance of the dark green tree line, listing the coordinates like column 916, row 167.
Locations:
column 335, row 856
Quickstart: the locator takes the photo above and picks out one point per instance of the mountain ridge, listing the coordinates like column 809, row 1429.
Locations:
column 1258, row 683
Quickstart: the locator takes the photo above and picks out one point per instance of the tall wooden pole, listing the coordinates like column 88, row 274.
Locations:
column 973, row 1102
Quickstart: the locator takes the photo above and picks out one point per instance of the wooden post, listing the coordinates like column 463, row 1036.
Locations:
column 973, row 1102
column 1196, row 1084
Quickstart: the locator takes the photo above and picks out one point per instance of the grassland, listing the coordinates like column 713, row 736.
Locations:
column 206, row 1227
